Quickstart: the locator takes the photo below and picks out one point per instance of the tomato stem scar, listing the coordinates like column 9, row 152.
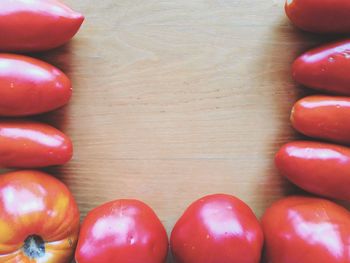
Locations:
column 34, row 246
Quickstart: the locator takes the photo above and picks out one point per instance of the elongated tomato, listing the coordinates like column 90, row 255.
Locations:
column 320, row 16
column 325, row 68
column 30, row 86
column 36, row 25
column 324, row 117
column 25, row 144
column 39, row 219
column 319, row 168
column 305, row 230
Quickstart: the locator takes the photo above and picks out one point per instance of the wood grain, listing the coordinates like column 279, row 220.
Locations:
column 174, row 100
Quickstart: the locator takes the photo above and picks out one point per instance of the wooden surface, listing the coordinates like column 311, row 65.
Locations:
column 174, row 100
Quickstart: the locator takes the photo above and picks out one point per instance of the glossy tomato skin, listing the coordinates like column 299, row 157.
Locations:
column 320, row 16
column 304, row 230
column 324, row 117
column 26, row 144
column 217, row 229
column 36, row 25
column 30, row 86
column 325, row 68
column 319, row 168
column 35, row 203
column 123, row 231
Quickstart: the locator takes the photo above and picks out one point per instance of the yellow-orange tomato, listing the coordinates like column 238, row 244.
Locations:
column 39, row 219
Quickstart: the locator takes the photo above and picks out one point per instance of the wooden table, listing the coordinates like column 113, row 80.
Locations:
column 174, row 100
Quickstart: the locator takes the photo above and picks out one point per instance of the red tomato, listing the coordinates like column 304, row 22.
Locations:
column 28, row 144
column 325, row 68
column 30, row 86
column 319, row 168
column 324, row 117
column 217, row 229
column 123, row 231
column 305, row 230
column 39, row 219
column 320, row 16
column 36, row 25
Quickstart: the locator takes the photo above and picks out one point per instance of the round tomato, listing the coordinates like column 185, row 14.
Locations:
column 320, row 168
column 320, row 16
column 36, row 25
column 30, row 86
column 217, row 229
column 127, row 231
column 39, row 219
column 304, row 230
column 27, row 144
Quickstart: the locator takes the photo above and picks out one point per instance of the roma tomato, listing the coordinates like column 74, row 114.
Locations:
column 39, row 219
column 36, row 25
column 25, row 144
column 324, row 117
column 123, row 231
column 304, row 230
column 319, row 168
column 320, row 16
column 325, row 68
column 217, row 229
column 30, row 86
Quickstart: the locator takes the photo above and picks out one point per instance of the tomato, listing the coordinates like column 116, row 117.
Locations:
column 305, row 229
column 319, row 168
column 123, row 231
column 36, row 25
column 320, row 16
column 217, row 229
column 30, row 86
column 324, row 117
column 39, row 219
column 325, row 68
column 25, row 144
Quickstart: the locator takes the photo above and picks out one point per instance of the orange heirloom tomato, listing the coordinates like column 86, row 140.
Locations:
column 320, row 16
column 305, row 230
column 29, row 86
column 325, row 68
column 324, row 117
column 39, row 219
column 217, row 229
column 319, row 168
column 123, row 231
column 36, row 25
column 28, row 144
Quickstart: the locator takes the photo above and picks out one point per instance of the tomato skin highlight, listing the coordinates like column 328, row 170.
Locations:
column 304, row 229
column 29, row 86
column 319, row 168
column 217, row 229
column 325, row 68
column 320, row 16
column 323, row 117
column 33, row 202
column 36, row 25
column 127, row 231
column 26, row 144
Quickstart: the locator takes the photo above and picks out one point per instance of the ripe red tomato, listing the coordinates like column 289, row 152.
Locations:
column 320, row 16
column 319, row 168
column 36, row 25
column 325, row 68
column 25, row 144
column 324, row 117
column 127, row 231
column 217, row 229
column 30, row 86
column 39, row 219
column 304, row 230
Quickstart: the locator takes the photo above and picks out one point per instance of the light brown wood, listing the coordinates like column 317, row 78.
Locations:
column 174, row 100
